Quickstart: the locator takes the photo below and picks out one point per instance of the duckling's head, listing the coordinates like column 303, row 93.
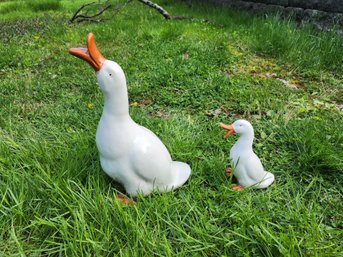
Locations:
column 110, row 75
column 241, row 127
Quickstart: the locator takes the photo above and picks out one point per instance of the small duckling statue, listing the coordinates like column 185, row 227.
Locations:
column 248, row 167
column 129, row 153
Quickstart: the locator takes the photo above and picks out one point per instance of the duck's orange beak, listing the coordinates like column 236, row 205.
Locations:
column 229, row 128
column 91, row 54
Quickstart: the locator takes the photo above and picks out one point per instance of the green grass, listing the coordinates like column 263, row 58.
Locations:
column 30, row 5
column 56, row 201
column 44, row 5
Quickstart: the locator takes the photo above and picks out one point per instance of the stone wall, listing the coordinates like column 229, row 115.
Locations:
column 320, row 18
column 335, row 6
column 323, row 5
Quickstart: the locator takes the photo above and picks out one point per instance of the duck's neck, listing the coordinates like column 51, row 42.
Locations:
column 116, row 105
column 245, row 141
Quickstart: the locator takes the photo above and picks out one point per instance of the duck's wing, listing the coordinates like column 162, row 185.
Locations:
column 150, row 159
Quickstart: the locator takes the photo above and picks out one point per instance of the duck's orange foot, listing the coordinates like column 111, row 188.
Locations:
column 228, row 172
column 236, row 187
column 123, row 199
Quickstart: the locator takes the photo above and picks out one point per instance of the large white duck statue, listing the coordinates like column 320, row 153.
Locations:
column 248, row 168
column 129, row 153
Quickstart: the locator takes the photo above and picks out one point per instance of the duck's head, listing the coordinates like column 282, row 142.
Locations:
column 109, row 74
column 241, row 127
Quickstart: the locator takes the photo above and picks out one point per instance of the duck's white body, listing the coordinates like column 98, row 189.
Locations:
column 135, row 157
column 248, row 168
column 129, row 153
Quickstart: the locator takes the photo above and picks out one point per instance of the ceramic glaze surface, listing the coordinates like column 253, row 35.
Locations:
column 248, row 168
column 129, row 153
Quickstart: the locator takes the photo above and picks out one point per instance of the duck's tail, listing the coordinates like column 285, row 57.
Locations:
column 182, row 171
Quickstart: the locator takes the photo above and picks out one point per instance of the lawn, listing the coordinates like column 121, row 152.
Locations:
column 184, row 78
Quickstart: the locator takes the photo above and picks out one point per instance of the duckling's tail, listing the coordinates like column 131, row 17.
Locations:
column 182, row 171
column 268, row 179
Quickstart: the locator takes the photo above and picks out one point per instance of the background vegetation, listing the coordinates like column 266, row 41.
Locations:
column 184, row 78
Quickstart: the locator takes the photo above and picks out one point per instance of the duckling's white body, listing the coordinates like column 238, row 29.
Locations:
column 129, row 153
column 248, row 168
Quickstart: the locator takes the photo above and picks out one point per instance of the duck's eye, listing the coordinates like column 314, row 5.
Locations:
column 110, row 74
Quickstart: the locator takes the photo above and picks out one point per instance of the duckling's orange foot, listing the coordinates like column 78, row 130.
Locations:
column 228, row 172
column 123, row 199
column 236, row 187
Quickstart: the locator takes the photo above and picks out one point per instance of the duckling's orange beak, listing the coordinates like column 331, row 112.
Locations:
column 229, row 128
column 91, row 54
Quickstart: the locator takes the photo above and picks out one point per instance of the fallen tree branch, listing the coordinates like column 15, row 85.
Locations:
column 79, row 10
column 167, row 16
column 82, row 17
column 78, row 17
column 164, row 13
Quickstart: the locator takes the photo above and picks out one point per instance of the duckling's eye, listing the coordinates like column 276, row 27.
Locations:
column 110, row 74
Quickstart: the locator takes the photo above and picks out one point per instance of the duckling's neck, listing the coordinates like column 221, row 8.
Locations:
column 245, row 141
